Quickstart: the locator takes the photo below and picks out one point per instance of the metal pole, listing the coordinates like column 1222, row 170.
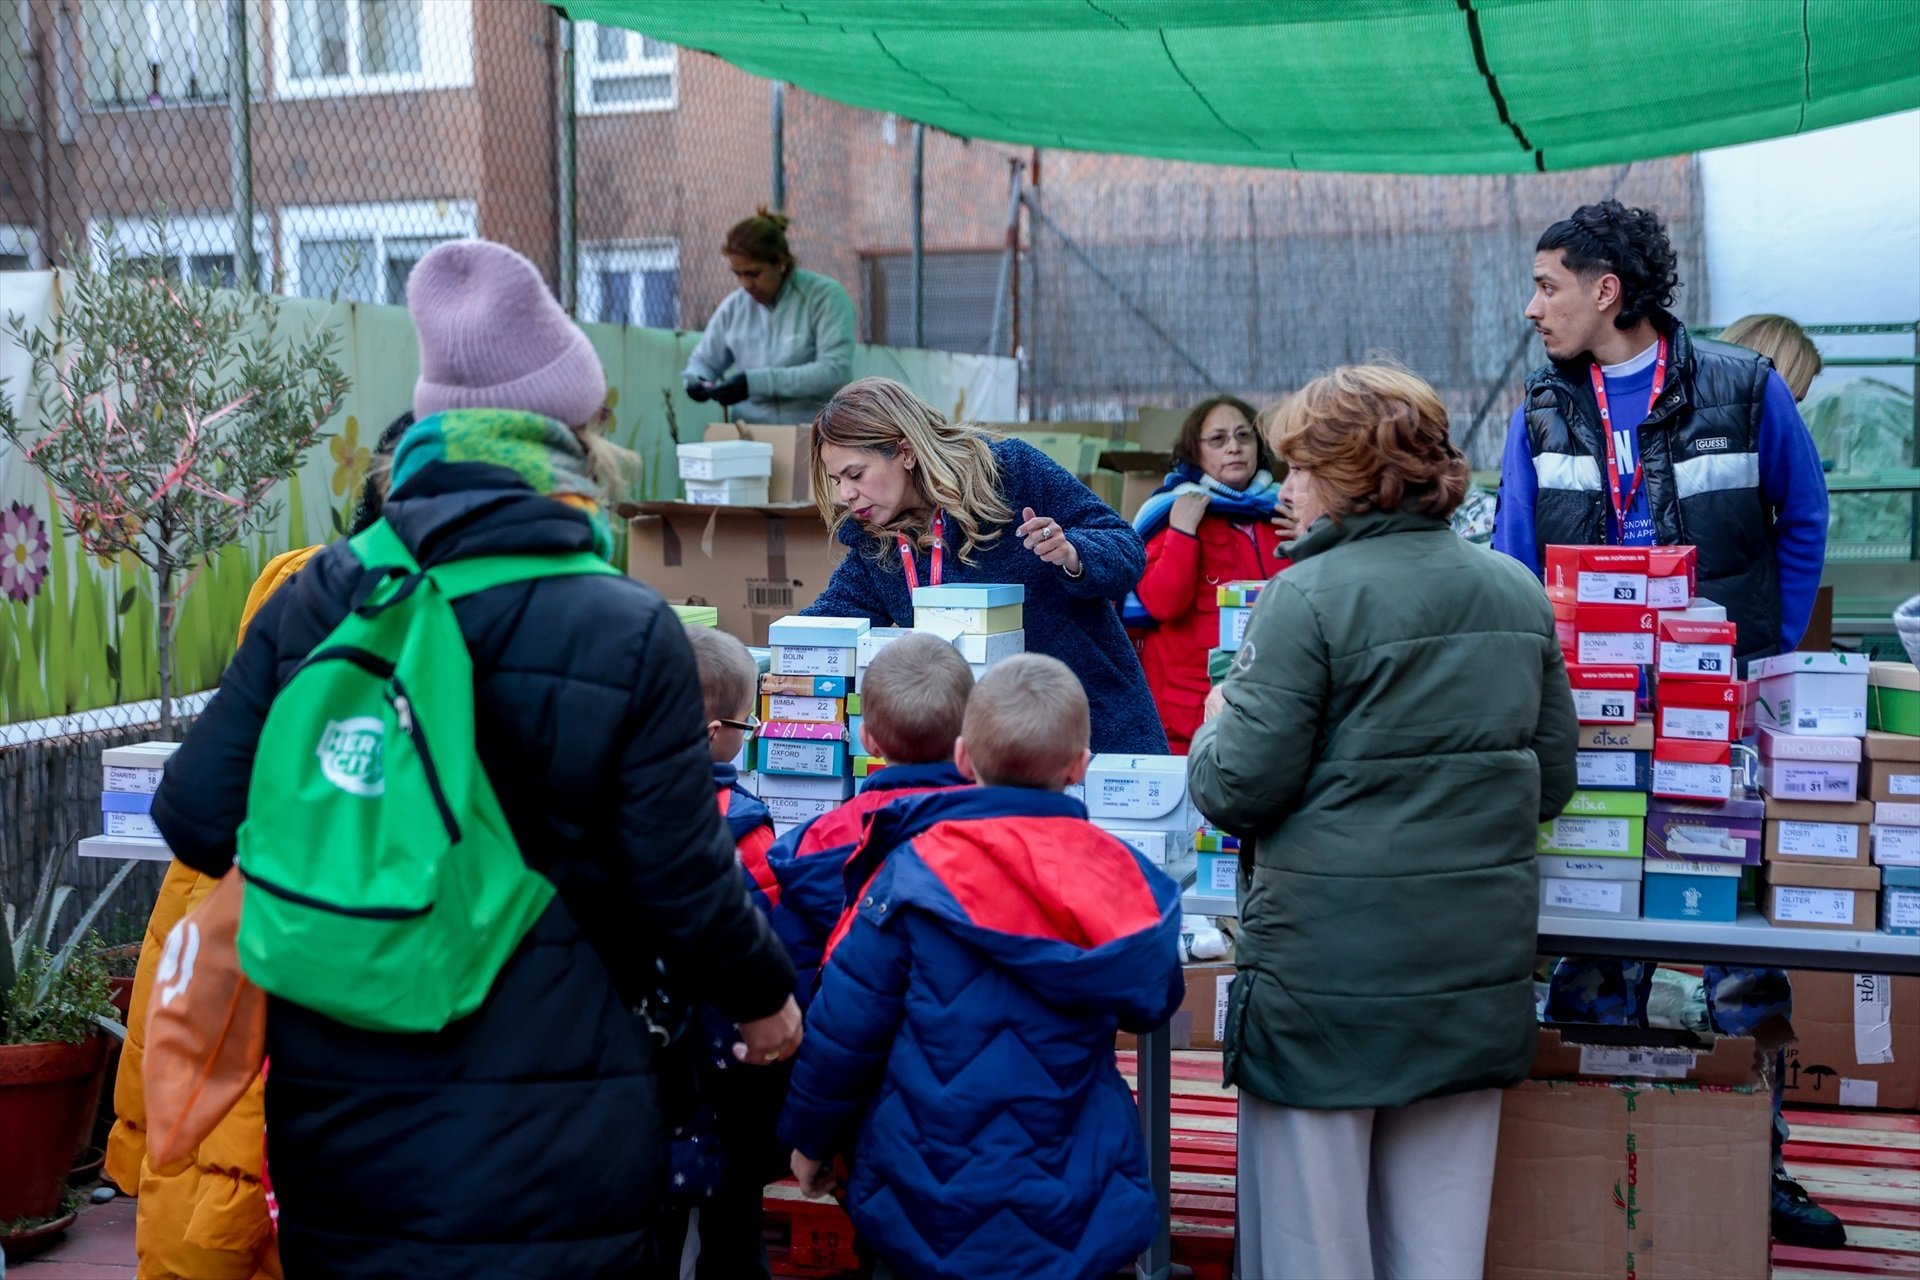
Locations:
column 566, row 224
column 1153, row 1074
column 1006, row 258
column 1034, row 345
column 246, row 267
column 779, row 123
column 919, row 235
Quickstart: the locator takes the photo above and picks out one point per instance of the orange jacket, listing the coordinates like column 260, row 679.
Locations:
column 205, row 1219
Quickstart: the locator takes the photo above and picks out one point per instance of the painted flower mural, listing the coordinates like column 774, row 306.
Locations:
column 24, row 549
column 351, row 459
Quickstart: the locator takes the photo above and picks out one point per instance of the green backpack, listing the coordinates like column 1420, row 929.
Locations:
column 384, row 888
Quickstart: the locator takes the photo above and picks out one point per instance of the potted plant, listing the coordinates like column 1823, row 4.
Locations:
column 56, row 1014
column 163, row 413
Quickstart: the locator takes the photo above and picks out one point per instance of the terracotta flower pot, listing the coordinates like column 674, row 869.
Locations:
column 44, row 1091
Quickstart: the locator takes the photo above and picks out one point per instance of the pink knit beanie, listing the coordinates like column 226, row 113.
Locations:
column 492, row 337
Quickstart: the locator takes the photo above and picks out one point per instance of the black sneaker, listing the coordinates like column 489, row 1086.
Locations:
column 1797, row 1220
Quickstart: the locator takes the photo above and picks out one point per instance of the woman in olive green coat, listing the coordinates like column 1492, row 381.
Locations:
column 1395, row 727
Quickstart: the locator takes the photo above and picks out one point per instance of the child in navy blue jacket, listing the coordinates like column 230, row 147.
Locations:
column 724, row 1151
column 912, row 699
column 960, row 1047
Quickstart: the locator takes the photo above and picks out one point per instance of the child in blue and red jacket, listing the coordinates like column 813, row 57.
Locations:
column 912, row 699
column 724, row 1150
column 960, row 1046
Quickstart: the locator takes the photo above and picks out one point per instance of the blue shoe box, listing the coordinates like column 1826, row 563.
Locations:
column 1706, row 892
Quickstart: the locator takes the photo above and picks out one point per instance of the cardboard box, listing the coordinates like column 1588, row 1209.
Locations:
column 1808, row 907
column 1637, row 737
column 1153, row 845
column 1201, row 1020
column 1893, row 696
column 1613, row 770
column 1894, row 846
column 136, row 767
column 1605, row 804
column 834, row 791
column 1145, row 790
column 984, row 651
column 790, row 475
column 969, row 595
column 1140, row 473
column 1695, row 650
column 874, row 641
column 1900, row 901
column 1573, row 867
column 1239, row 595
column 1698, row 891
column 1699, row 711
column 1815, row 781
column 1233, row 628
column 1698, row 609
column 794, row 810
column 799, row 631
column 813, row 660
column 1207, row 840
column 999, row 618
column 799, row 686
column 1881, row 745
column 1817, row 834
column 1605, row 634
column 1602, row 899
column 1817, row 693
column 1597, row 575
column 786, row 706
column 752, row 564
column 1672, row 574
column 1588, row 837
column 1896, row 815
column 1895, row 781
column 1690, row 831
column 1684, row 770
column 793, row 747
column 867, row 766
column 713, row 461
column 1595, row 1181
column 1775, row 745
column 1601, row 694
column 1218, row 874
column 726, row 493
column 1858, row 1041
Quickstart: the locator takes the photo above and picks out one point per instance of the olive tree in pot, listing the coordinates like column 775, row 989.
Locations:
column 56, row 1012
column 166, row 411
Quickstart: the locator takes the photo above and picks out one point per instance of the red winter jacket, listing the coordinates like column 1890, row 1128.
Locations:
column 1178, row 590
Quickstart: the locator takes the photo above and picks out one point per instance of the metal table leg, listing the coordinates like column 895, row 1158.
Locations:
column 1154, row 1074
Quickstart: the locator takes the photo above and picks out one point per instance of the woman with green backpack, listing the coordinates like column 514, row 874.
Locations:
column 462, row 767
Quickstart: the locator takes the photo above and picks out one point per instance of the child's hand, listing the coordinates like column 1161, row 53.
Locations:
column 1216, row 703
column 772, row 1038
column 816, row 1180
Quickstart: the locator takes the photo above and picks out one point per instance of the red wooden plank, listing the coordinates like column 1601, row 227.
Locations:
column 1894, row 1121
column 1859, row 1262
column 1820, row 1153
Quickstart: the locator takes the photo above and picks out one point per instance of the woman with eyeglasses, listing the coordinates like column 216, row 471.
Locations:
column 1218, row 518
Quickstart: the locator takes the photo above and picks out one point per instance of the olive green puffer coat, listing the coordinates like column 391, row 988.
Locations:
column 1397, row 725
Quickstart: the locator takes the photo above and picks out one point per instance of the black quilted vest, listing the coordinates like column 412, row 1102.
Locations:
column 1700, row 448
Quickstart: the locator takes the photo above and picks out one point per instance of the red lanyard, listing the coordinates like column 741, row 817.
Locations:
column 1623, row 505
column 912, row 570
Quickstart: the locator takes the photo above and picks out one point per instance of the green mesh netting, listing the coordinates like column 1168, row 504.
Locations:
column 1410, row 86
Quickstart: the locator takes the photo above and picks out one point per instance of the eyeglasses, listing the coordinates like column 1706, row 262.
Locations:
column 748, row 725
column 1221, row 442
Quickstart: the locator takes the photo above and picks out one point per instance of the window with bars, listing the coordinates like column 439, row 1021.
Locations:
column 154, row 53
column 620, row 70
column 194, row 248
column 365, row 252
column 326, row 48
column 631, row 283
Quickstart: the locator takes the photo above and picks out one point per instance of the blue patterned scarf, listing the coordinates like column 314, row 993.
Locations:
column 1258, row 501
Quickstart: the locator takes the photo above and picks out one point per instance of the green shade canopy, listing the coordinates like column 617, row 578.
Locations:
column 1407, row 86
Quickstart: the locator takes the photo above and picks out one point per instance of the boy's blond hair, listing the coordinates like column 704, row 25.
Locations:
column 729, row 676
column 913, row 698
column 1027, row 723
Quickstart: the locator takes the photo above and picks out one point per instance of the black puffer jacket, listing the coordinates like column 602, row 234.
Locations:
column 523, row 1141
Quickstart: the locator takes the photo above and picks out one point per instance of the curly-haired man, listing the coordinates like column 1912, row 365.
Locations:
column 1702, row 442
column 1635, row 434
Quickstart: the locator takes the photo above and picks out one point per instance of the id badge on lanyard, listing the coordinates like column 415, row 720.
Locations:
column 1622, row 504
column 937, row 557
